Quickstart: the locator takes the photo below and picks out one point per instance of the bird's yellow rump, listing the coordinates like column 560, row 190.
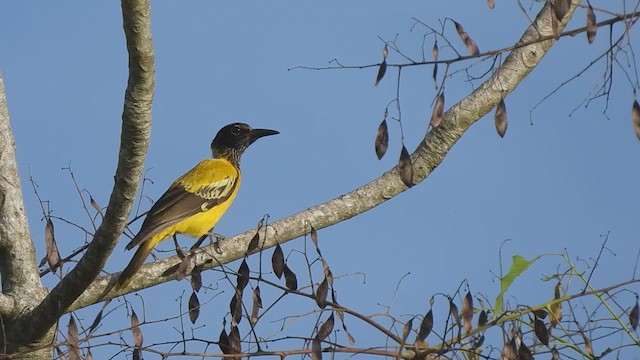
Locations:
column 195, row 202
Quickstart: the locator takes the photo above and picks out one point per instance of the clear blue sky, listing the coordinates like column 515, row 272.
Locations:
column 557, row 185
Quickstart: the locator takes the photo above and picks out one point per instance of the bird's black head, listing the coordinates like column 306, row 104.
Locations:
column 233, row 139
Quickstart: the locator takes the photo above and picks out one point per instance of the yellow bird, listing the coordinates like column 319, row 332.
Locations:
column 194, row 203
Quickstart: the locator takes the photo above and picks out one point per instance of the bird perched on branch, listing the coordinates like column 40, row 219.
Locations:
column 194, row 203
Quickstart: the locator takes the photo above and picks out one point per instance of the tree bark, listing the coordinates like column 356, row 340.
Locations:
column 29, row 314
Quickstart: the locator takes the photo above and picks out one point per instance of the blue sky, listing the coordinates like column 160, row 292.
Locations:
column 558, row 183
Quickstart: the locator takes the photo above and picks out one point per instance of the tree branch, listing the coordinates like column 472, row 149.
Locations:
column 429, row 154
column 134, row 142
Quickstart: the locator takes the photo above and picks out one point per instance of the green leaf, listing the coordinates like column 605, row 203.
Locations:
column 518, row 266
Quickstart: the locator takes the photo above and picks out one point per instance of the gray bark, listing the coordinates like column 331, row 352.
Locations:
column 29, row 313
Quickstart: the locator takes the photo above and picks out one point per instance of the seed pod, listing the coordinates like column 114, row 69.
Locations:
column 592, row 28
column 491, row 4
column 467, row 40
column 290, row 279
column 381, row 71
column 321, row 294
column 53, row 255
column 382, row 139
column 438, row 110
column 277, row 261
column 633, row 316
column 635, row 117
column 326, row 328
column 501, row 118
column 135, row 330
column 434, row 51
column 72, row 339
column 194, row 307
column 542, row 333
column 426, row 326
column 561, row 8
column 467, row 312
column 405, row 167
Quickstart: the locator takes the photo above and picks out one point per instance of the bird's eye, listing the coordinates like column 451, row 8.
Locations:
column 236, row 130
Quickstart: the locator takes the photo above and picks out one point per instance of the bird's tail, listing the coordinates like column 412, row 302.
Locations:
column 136, row 262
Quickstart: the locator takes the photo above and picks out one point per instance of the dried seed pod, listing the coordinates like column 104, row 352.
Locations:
column 326, row 328
column 381, row 71
column 592, row 28
column 181, row 271
column 316, row 349
column 196, row 278
column 434, row 51
column 290, row 279
column 223, row 341
column 314, row 236
column 277, row 261
column 635, row 118
column 453, row 311
column 438, row 111
column 95, row 205
column 135, row 330
column 435, row 73
column 382, row 139
column 426, row 326
column 234, row 340
column 561, row 8
column 253, row 244
column 633, row 316
column 194, row 307
column 256, row 305
column 482, row 318
column 467, row 40
column 555, row 355
column 243, row 276
column 53, row 255
column 491, row 4
column 467, row 312
column 385, row 52
column 321, row 294
column 96, row 322
column 235, row 308
column 73, row 342
column 501, row 118
column 405, row 168
column 509, row 351
column 406, row 330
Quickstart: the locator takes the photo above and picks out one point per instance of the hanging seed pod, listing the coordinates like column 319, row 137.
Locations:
column 96, row 322
column 540, row 313
column 382, row 139
column 467, row 40
column 243, row 276
column 95, row 205
column 290, row 279
column 491, row 4
column 326, row 328
column 635, row 118
column 434, row 51
column 73, row 342
column 53, row 255
column 196, row 278
column 509, row 351
column 234, row 340
column 561, row 8
column 426, row 326
column 135, row 330
column 482, row 318
column 381, row 71
column 256, row 305
column 194, row 307
column 592, row 28
column 223, row 341
column 405, row 168
column 277, row 261
column 321, row 294
column 453, row 311
column 501, row 118
column 467, row 312
column 633, row 316
column 253, row 244
column 438, row 111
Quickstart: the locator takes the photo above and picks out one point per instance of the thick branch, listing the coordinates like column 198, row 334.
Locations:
column 20, row 280
column 134, row 141
column 429, row 154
